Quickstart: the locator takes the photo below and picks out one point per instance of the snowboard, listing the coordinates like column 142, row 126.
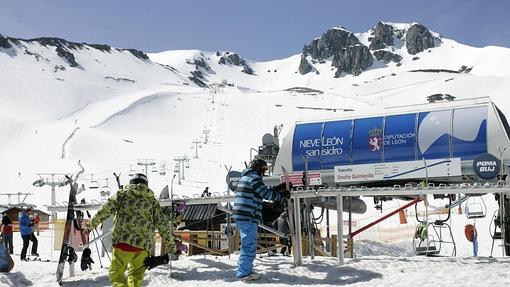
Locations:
column 6, row 262
column 67, row 252
column 290, row 211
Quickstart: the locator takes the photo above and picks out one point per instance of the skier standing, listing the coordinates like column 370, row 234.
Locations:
column 6, row 232
column 247, row 212
column 136, row 213
column 27, row 234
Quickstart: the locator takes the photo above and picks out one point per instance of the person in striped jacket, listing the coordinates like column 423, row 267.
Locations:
column 247, row 213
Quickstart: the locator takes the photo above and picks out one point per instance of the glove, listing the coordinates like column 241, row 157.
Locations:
column 154, row 261
column 86, row 260
column 280, row 187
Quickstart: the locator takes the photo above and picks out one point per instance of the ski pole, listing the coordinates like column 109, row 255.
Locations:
column 104, row 247
column 99, row 255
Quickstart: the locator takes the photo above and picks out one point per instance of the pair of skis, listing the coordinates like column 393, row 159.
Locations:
column 67, row 252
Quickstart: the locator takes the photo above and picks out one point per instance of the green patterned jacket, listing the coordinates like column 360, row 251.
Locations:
column 137, row 214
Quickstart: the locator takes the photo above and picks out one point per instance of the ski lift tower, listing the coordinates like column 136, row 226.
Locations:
column 197, row 144
column 53, row 180
column 181, row 160
column 206, row 132
column 146, row 163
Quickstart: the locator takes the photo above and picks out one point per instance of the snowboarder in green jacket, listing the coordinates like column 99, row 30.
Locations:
column 136, row 214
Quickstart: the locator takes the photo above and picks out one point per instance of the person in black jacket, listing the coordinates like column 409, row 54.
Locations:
column 6, row 232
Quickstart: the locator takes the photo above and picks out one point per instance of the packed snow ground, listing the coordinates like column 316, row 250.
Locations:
column 384, row 265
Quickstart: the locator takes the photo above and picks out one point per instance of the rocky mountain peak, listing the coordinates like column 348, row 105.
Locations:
column 418, row 39
column 330, row 44
column 348, row 54
column 382, row 36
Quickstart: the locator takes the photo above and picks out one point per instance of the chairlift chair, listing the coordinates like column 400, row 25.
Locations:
column 162, row 170
column 475, row 208
column 131, row 170
column 431, row 241
column 105, row 189
column 94, row 184
column 186, row 165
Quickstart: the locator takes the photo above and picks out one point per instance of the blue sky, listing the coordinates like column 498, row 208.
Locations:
column 258, row 30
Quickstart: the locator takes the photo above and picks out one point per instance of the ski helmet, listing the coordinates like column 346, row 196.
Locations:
column 139, row 178
column 259, row 165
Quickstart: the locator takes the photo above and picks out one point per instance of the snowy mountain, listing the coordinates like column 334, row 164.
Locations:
column 109, row 107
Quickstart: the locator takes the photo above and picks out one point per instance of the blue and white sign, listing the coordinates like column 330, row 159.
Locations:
column 367, row 140
column 398, row 170
column 434, row 130
column 469, row 137
column 400, row 138
column 486, row 166
column 452, row 133
column 336, row 143
column 307, row 142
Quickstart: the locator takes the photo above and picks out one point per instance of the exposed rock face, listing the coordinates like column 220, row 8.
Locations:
column 382, row 36
column 231, row 59
column 199, row 62
column 353, row 60
column 386, row 56
column 349, row 55
column 234, row 59
column 418, row 39
column 104, row 48
column 304, row 66
column 330, row 43
column 68, row 56
column 4, row 42
column 197, row 78
column 62, row 47
column 247, row 70
column 137, row 53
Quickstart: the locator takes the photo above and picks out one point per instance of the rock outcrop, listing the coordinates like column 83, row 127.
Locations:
column 387, row 56
column 234, row 59
column 353, row 60
column 304, row 66
column 382, row 36
column 418, row 39
column 4, row 42
column 349, row 54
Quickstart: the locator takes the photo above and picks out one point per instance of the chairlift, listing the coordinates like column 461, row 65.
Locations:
column 430, row 236
column 475, row 207
column 177, row 168
column 94, row 184
column 162, row 169
column 131, row 170
column 186, row 165
column 105, row 189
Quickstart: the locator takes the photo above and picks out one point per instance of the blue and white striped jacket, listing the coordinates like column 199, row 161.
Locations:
column 249, row 195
